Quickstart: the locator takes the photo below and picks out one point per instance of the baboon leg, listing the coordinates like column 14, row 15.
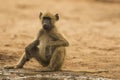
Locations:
column 41, row 61
column 57, row 59
column 33, row 53
column 22, row 61
column 29, row 53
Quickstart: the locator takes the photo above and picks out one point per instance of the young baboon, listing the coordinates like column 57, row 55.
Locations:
column 48, row 48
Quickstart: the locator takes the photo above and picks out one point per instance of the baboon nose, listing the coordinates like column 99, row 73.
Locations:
column 45, row 26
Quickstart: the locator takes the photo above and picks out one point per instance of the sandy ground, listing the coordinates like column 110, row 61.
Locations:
column 92, row 29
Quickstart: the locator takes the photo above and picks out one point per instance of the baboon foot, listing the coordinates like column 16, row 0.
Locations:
column 12, row 67
column 46, row 69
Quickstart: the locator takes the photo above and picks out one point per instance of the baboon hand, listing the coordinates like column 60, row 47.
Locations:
column 11, row 67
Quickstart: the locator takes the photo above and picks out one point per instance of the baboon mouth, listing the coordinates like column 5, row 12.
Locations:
column 46, row 27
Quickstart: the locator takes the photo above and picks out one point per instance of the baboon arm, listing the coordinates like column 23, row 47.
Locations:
column 39, row 34
column 59, row 40
column 36, row 42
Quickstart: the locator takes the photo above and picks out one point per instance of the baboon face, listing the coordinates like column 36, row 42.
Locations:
column 48, row 20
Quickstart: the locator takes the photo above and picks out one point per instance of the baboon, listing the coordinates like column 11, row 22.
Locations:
column 48, row 48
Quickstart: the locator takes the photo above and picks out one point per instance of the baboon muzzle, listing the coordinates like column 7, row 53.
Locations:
column 46, row 26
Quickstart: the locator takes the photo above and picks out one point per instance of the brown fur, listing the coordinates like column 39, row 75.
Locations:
column 48, row 48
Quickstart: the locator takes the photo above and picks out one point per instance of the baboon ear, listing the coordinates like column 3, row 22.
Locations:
column 57, row 17
column 40, row 15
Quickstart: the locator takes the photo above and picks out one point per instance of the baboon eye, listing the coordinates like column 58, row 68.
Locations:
column 47, row 18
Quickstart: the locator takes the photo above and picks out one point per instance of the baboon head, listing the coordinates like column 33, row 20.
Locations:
column 48, row 20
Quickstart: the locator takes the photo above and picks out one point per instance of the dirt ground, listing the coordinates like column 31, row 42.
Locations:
column 92, row 29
